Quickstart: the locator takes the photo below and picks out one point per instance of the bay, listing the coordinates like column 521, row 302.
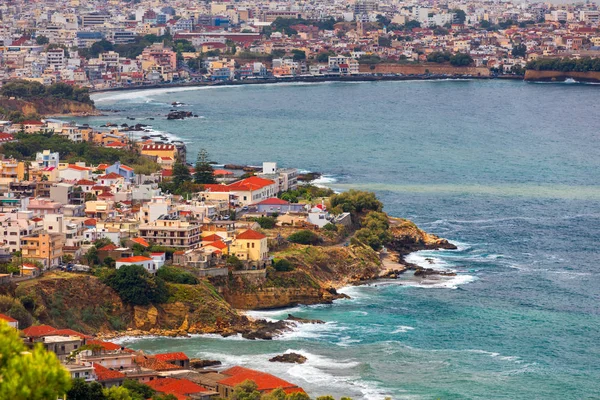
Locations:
column 507, row 170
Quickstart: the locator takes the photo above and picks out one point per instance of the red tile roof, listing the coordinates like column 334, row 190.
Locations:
column 181, row 387
column 134, row 259
column 141, row 241
column 112, row 175
column 105, row 374
column 216, row 188
column 222, row 172
column 78, row 168
column 264, row 381
column 108, row 346
column 176, row 356
column 6, row 137
column 90, row 222
column 155, row 364
column 7, row 318
column 38, row 330
column 211, row 238
column 69, row 332
column 250, row 184
column 274, row 201
column 108, row 247
column 218, row 244
column 250, row 234
column 85, row 182
column 32, row 122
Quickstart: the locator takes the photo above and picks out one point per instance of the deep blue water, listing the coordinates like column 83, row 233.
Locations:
column 508, row 170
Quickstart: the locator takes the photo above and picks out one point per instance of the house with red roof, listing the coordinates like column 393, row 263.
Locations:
column 254, row 189
column 266, row 383
column 181, row 388
column 108, row 377
column 32, row 126
column 111, row 179
column 177, row 358
column 251, row 247
column 146, row 262
column 36, row 331
column 121, row 170
column 10, row 321
column 74, row 172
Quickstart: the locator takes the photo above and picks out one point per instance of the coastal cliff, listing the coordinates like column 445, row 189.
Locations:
column 551, row 76
column 48, row 106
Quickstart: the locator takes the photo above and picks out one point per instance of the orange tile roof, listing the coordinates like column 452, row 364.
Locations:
column 108, row 346
column 105, row 374
column 141, row 241
column 264, row 381
column 7, row 318
column 182, row 387
column 112, row 175
column 273, row 201
column 134, row 259
column 69, row 332
column 77, row 167
column 38, row 330
column 218, row 244
column 176, row 356
column 250, row 184
column 108, row 247
column 155, row 364
column 85, row 182
column 212, row 238
column 250, row 234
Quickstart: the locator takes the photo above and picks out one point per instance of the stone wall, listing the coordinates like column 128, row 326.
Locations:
column 420, row 69
column 531, row 75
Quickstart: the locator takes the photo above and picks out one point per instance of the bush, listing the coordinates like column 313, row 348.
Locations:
column 136, row 286
column 282, row 265
column 176, row 275
column 15, row 309
column 304, row 237
column 374, row 230
column 330, row 227
column 355, row 202
column 266, row 222
column 235, row 263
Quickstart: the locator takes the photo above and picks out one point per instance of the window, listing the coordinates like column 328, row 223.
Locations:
column 252, row 245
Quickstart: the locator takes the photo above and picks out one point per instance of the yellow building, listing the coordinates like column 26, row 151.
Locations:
column 47, row 248
column 251, row 246
column 12, row 170
column 160, row 150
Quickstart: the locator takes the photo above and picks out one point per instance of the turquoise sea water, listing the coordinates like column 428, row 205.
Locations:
column 507, row 170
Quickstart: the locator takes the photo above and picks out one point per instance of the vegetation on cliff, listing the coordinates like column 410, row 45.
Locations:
column 31, row 90
column 584, row 64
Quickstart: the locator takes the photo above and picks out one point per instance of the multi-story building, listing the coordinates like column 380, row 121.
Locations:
column 287, row 178
column 47, row 248
column 171, row 233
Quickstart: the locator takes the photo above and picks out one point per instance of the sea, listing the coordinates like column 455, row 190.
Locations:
column 509, row 171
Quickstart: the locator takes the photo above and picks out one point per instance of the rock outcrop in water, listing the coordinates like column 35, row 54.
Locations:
column 407, row 238
column 291, row 358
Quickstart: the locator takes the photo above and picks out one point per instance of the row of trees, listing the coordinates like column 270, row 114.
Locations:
column 31, row 90
column 584, row 64
column 457, row 60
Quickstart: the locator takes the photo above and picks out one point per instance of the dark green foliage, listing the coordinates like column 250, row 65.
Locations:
column 461, row 60
column 324, row 56
column 355, row 201
column 234, row 262
column 304, row 237
column 176, row 275
column 136, row 286
column 183, row 46
column 28, row 145
column 81, row 390
column 439, row 57
column 330, row 227
column 284, row 25
column 298, row 55
column 282, row 265
column 41, row 39
column 584, row 64
column 29, row 90
column 181, row 173
column 138, row 389
column 384, row 41
column 459, row 16
column 519, row 50
column 369, row 59
column 374, row 230
column 101, row 46
column 266, row 222
column 204, row 172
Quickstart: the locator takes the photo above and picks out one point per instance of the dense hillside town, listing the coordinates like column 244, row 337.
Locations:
column 111, row 44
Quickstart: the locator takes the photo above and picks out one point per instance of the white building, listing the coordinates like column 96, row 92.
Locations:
column 47, row 159
column 146, row 262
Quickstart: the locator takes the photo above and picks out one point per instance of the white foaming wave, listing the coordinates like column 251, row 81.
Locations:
column 324, row 180
column 273, row 315
column 327, row 331
column 402, row 329
column 124, row 340
column 444, row 282
column 145, row 94
column 425, row 259
column 347, row 341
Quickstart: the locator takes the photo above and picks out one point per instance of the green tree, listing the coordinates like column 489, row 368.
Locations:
column 91, row 256
column 266, row 222
column 81, row 390
column 176, row 275
column 459, row 16
column 298, row 55
column 118, row 393
column 355, row 202
column 29, row 374
column 461, row 60
column 520, row 50
column 138, row 389
column 297, row 396
column 41, row 40
column 181, row 173
column 304, row 237
column 234, row 262
column 136, row 286
column 246, row 391
column 204, row 172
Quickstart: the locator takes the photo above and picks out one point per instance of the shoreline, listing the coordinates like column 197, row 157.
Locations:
column 308, row 79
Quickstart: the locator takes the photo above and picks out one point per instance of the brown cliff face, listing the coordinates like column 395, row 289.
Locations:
column 49, row 106
column 407, row 237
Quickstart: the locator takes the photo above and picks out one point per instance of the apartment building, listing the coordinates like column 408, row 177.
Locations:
column 171, row 233
column 47, row 248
